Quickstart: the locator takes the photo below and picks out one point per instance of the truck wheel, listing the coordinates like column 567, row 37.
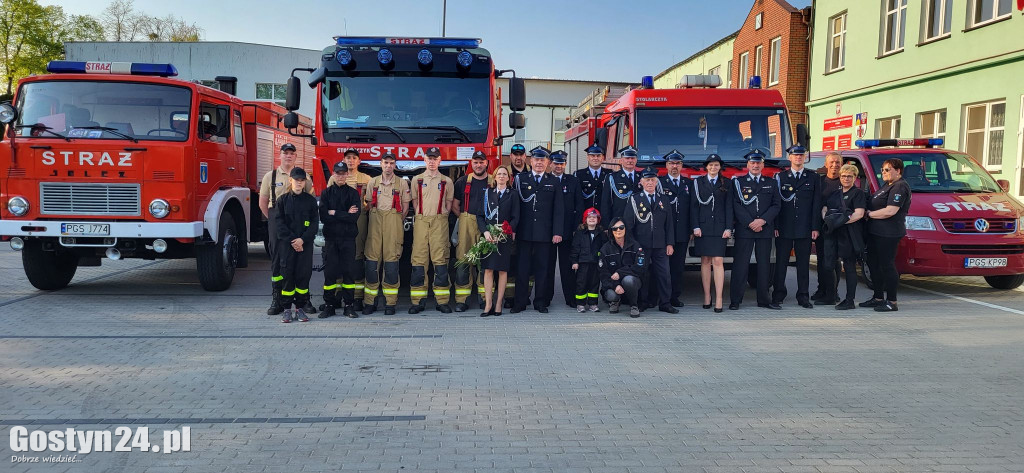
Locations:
column 865, row 273
column 1011, row 281
column 47, row 270
column 216, row 263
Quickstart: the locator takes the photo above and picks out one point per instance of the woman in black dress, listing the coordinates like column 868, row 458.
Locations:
column 498, row 206
column 843, row 237
column 711, row 220
column 887, row 225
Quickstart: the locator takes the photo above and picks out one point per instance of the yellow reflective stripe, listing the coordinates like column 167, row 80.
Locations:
column 348, row 286
column 331, row 287
column 287, row 293
column 510, row 284
column 358, row 286
column 277, row 278
column 307, row 223
column 591, row 294
column 580, row 297
column 416, row 293
column 390, row 292
column 463, row 292
column 301, row 291
column 372, row 292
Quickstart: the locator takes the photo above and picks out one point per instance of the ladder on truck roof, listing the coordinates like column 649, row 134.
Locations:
column 595, row 103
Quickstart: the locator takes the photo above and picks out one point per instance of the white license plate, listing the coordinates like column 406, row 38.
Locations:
column 85, row 229
column 984, row 262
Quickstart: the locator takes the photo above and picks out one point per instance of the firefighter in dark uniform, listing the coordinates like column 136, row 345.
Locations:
column 340, row 208
column 620, row 185
column 541, row 220
column 678, row 189
column 592, row 177
column 297, row 221
column 755, row 207
column 799, row 223
column 469, row 192
column 573, row 200
column 648, row 218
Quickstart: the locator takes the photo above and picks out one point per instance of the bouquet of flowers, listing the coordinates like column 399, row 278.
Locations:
column 483, row 248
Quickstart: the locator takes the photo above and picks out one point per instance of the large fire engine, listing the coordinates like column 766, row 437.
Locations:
column 120, row 160
column 404, row 95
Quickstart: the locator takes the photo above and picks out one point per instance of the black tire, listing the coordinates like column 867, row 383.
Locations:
column 216, row 263
column 865, row 274
column 1007, row 282
column 47, row 270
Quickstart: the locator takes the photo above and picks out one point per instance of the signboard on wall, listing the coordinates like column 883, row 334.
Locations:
column 838, row 123
column 844, row 141
column 828, row 143
column 862, row 124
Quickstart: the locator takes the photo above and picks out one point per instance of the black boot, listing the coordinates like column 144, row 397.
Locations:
column 275, row 305
column 328, row 311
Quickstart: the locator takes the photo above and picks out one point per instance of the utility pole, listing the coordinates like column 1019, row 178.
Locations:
column 444, row 16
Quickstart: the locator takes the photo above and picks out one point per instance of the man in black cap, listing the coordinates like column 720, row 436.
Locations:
column 755, row 207
column 466, row 205
column 573, row 210
column 592, row 177
column 799, row 224
column 340, row 208
column 648, row 218
column 620, row 185
column 432, row 194
column 276, row 183
column 517, row 163
column 541, row 221
column 297, row 221
column 678, row 189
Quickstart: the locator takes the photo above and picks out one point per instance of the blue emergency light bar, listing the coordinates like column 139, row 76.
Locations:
column 99, row 67
column 383, row 41
column 926, row 142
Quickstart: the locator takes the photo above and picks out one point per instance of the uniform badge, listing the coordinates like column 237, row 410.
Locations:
column 896, row 198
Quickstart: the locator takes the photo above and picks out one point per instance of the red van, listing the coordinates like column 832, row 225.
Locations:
column 962, row 222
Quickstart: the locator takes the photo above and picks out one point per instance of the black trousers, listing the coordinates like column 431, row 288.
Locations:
column 275, row 265
column 339, row 263
column 819, row 251
column 761, row 248
column 533, row 259
column 588, row 282
column 657, row 284
column 631, row 285
column 882, row 263
column 677, row 266
column 563, row 253
column 802, row 248
column 296, row 269
column 828, row 267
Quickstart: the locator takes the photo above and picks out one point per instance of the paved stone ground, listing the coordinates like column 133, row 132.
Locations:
column 934, row 387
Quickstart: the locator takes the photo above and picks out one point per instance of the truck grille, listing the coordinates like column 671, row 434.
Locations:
column 966, row 225
column 59, row 198
column 983, row 250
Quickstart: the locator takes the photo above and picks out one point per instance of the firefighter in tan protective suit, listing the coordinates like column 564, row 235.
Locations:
column 432, row 194
column 357, row 181
column 467, row 204
column 387, row 196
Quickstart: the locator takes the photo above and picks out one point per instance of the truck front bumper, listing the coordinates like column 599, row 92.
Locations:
column 945, row 257
column 51, row 228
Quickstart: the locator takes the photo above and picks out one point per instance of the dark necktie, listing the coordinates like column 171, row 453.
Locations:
column 650, row 199
column 675, row 182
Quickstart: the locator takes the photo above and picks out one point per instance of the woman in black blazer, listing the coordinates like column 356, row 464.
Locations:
column 499, row 205
column 711, row 220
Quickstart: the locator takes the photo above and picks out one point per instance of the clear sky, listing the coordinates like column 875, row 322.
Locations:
column 565, row 39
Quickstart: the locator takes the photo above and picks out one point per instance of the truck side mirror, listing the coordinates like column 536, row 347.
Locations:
column 516, row 121
column 1004, row 185
column 601, row 137
column 517, row 94
column 292, row 97
column 291, row 120
column 316, row 77
column 802, row 136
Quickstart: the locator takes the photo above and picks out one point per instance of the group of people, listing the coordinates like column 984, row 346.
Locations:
column 620, row 236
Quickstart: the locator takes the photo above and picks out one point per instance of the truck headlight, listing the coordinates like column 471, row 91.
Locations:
column 159, row 208
column 17, row 206
column 920, row 223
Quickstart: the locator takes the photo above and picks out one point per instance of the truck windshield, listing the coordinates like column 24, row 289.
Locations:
column 107, row 110
column 939, row 172
column 697, row 132
column 406, row 102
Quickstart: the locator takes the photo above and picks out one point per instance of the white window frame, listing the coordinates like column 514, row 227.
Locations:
column 986, row 132
column 892, row 123
column 935, row 132
column 899, row 17
column 971, row 7
column 715, row 71
column 728, row 74
column 945, row 13
column 758, row 54
column 832, row 35
column 759, row 21
column 273, row 87
column 774, row 60
column 744, row 70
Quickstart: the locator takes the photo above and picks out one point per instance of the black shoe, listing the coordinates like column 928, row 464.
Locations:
column 706, row 306
column 675, row 302
column 415, row 309
column 321, row 306
column 461, row 307
column 763, row 306
column 887, row 307
column 496, row 314
column 351, row 313
column 327, row 311
column 734, row 307
column 358, row 305
column 275, row 307
column 819, row 294
column 773, row 306
column 516, row 310
column 872, row 302
column 308, row 308
column 487, row 313
column 369, row 308
column 718, row 310
column 542, row 309
column 389, row 310
column 846, row 305
column 806, row 304
column 668, row 308
column 444, row 308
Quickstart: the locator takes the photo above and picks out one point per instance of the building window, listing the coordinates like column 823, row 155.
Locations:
column 773, row 63
column 759, row 21
column 271, row 92
column 984, row 11
column 888, row 128
column 209, row 83
column 895, row 25
column 715, row 71
column 837, row 43
column 758, row 52
column 931, row 124
column 984, row 132
column 938, row 19
column 728, row 74
column 238, row 129
column 744, row 65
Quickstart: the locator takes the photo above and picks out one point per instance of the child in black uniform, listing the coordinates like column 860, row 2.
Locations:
column 297, row 221
column 339, row 210
column 586, row 245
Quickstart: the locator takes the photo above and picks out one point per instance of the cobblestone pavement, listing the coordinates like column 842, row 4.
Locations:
column 936, row 386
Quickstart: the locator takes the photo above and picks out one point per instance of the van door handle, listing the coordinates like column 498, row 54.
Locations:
column 231, row 168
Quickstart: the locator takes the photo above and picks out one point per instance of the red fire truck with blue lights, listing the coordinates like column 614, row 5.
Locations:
column 122, row 160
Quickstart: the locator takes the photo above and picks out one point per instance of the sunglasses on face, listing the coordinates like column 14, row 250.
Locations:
column 618, row 227
column 886, row 169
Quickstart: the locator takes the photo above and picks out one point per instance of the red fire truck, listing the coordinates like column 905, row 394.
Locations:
column 404, row 95
column 120, row 160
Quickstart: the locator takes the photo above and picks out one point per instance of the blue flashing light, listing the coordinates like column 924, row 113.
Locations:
column 926, row 142
column 385, row 57
column 344, row 57
column 647, row 82
column 100, row 67
column 425, row 57
column 165, row 70
column 464, row 58
column 383, row 41
column 755, row 82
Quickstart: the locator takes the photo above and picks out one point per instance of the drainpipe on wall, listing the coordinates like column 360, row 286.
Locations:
column 807, row 16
